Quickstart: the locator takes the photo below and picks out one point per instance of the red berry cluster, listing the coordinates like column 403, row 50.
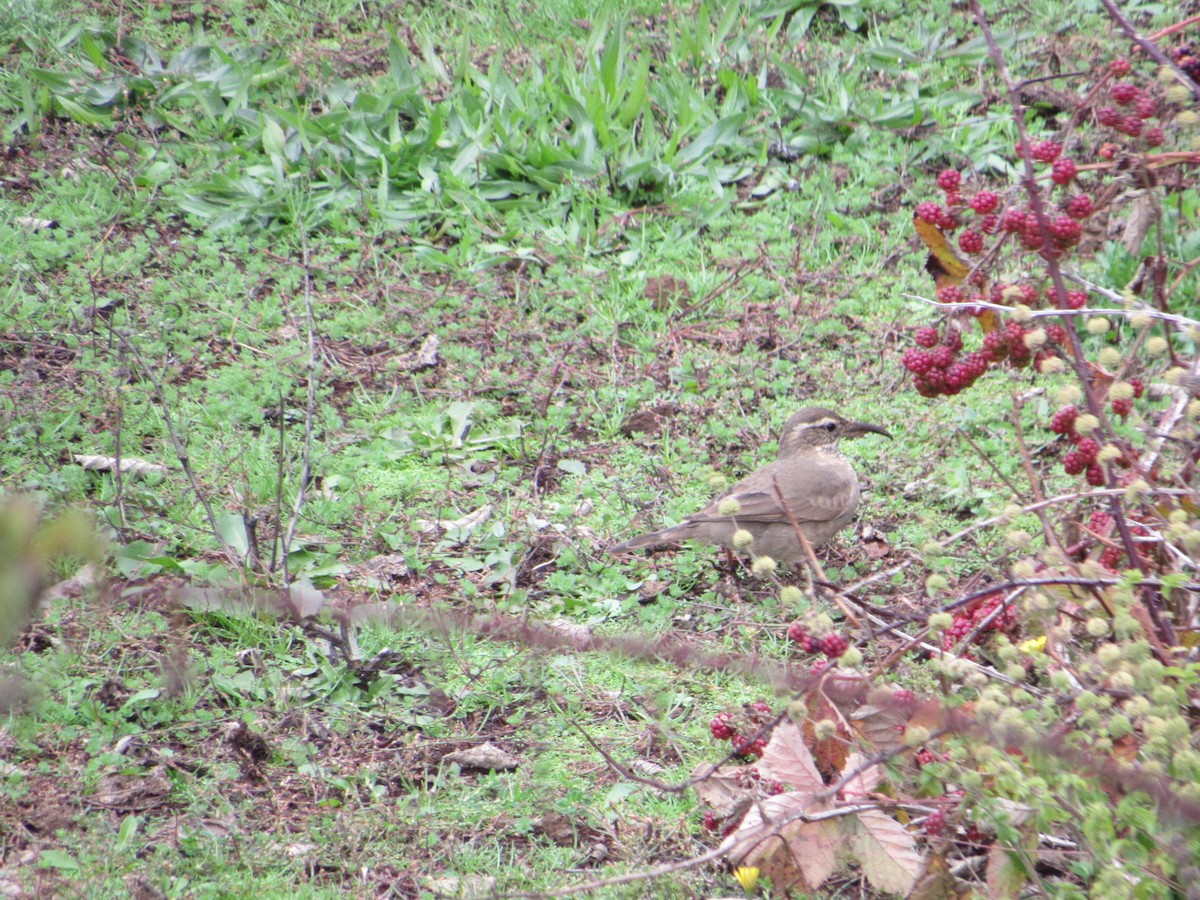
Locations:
column 935, row 823
column 725, row 727
column 926, row 757
column 1083, row 458
column 935, row 361
column 832, row 645
column 1132, row 108
column 1188, row 59
column 966, row 620
column 749, row 778
column 1100, row 525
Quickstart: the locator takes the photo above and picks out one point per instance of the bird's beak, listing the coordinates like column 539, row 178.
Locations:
column 858, row 429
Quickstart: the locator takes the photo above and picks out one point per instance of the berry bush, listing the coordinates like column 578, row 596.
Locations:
column 1064, row 744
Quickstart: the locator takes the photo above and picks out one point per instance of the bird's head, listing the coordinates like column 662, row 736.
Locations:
column 816, row 428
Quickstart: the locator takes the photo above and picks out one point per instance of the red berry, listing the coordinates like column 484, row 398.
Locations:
column 1046, row 151
column 926, row 336
column 941, row 356
column 1065, row 230
column 953, row 339
column 1119, row 67
column 904, row 698
column 950, row 293
column 721, row 727
column 1088, row 449
column 1108, row 117
column 919, row 363
column 1144, row 107
column 1095, row 475
column 1107, row 151
column 989, row 224
column 1131, row 125
column 760, row 711
column 797, row 631
column 1029, row 294
column 744, row 745
column 1076, row 299
column 1138, row 387
column 970, row 241
column 976, row 363
column 834, row 645
column 947, row 221
column 1063, row 171
column 949, row 181
column 1074, row 463
column 985, row 202
column 1124, row 93
column 1064, row 420
column 1111, row 558
column 1013, row 220
column 1155, row 137
column 929, row 212
column 710, row 821
column 1080, row 206
column 1056, row 334
column 1123, row 406
column 935, row 823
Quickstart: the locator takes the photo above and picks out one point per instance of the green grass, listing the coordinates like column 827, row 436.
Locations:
column 508, row 180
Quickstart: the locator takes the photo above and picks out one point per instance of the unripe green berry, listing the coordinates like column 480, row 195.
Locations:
column 742, row 539
column 936, row 583
column 730, row 506
column 791, row 596
column 940, row 621
column 717, row 481
column 1023, row 569
column 1119, row 726
column 824, row 729
column 1110, row 357
column 1108, row 453
column 852, row 658
column 762, row 565
column 1068, row 394
column 1141, row 319
column 1097, row 627
column 1036, row 339
column 1052, row 365
column 1186, row 118
column 1122, row 390
column 1098, row 325
column 1021, row 313
column 1157, row 345
column 916, row 736
column 1135, row 707
column 1086, row 424
column 1108, row 655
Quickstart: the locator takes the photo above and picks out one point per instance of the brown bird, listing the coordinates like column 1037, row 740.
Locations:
column 817, row 483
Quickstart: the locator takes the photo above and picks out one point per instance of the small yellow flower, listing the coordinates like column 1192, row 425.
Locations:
column 1034, row 645
column 747, row 877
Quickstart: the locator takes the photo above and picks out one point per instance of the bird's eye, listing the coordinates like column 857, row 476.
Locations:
column 830, row 426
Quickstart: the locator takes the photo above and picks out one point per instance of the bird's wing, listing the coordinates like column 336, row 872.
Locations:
column 825, row 499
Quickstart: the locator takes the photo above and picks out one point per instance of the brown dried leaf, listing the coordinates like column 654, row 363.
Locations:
column 1144, row 212
column 801, row 855
column 829, row 753
column 887, row 852
column 718, row 787
column 938, row 883
column 787, row 759
column 863, row 784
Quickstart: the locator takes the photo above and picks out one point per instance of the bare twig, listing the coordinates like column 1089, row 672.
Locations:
column 310, row 408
